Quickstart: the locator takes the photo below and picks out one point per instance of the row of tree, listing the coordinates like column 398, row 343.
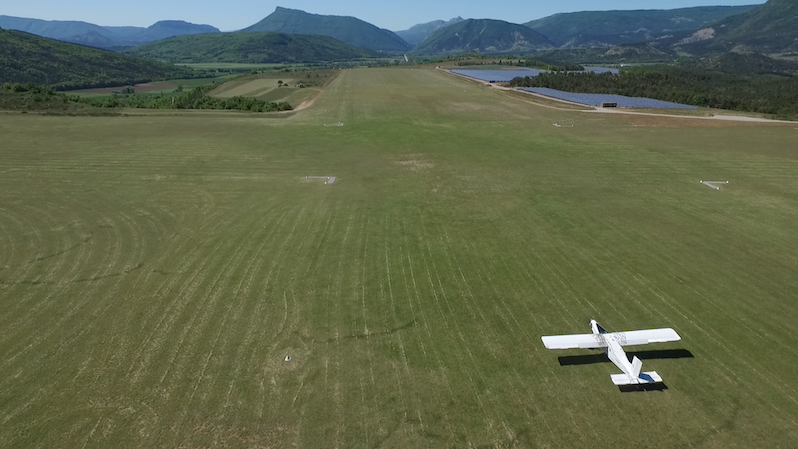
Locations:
column 769, row 94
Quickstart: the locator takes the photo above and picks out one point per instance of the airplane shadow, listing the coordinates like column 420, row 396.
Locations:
column 642, row 355
column 659, row 386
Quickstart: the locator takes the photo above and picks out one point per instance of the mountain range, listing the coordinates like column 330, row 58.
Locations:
column 608, row 28
column 27, row 58
column 113, row 38
column 349, row 30
column 768, row 28
column 484, row 35
column 417, row 33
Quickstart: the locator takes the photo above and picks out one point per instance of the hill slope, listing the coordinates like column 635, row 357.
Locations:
column 607, row 28
column 417, row 33
column 103, row 37
column 769, row 28
column 345, row 29
column 250, row 48
column 171, row 28
column 26, row 58
column 485, row 35
column 53, row 29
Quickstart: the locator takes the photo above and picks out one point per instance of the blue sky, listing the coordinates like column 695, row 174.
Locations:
column 394, row 15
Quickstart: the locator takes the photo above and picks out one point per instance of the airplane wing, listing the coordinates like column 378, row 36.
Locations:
column 633, row 338
column 573, row 341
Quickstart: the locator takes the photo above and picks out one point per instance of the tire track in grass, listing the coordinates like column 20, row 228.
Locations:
column 537, row 353
column 37, row 246
column 202, row 321
column 175, row 307
column 366, row 332
column 483, row 274
column 443, row 408
column 274, row 273
column 334, row 392
column 535, row 261
column 11, row 270
column 69, row 314
column 203, row 310
column 396, row 319
column 532, row 346
column 245, row 288
column 477, row 315
column 456, row 266
column 8, row 247
column 115, row 358
column 321, row 259
column 25, row 345
column 102, row 302
column 435, row 280
column 339, row 398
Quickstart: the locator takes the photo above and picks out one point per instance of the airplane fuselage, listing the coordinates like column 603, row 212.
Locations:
column 612, row 348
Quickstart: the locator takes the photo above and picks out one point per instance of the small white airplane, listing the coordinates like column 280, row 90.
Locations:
column 613, row 343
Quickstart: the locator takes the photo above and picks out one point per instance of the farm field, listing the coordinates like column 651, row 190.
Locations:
column 248, row 88
column 276, row 87
column 155, row 271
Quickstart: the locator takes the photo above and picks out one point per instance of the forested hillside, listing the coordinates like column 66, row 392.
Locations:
column 417, row 33
column 484, row 35
column 250, row 48
column 25, row 58
column 607, row 28
column 769, row 28
column 770, row 94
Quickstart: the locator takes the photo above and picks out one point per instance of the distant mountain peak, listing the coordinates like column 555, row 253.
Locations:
column 484, row 35
column 103, row 37
column 417, row 33
column 350, row 30
column 610, row 28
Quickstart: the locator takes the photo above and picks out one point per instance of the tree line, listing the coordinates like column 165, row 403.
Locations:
column 35, row 97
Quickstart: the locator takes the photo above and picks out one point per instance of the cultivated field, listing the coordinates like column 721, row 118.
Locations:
column 156, row 271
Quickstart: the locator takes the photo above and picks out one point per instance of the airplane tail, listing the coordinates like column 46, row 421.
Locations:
column 637, row 377
column 637, row 366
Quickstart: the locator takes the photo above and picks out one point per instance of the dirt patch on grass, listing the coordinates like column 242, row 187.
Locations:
column 416, row 163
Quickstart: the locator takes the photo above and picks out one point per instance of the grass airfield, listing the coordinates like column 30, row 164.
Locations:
column 155, row 271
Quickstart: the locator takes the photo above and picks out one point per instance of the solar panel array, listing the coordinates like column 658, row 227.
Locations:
column 498, row 76
column 598, row 99
column 505, row 76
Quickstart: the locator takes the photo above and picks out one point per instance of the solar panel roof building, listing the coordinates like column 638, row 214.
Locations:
column 621, row 101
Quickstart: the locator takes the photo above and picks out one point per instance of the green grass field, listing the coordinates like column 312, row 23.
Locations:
column 156, row 270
